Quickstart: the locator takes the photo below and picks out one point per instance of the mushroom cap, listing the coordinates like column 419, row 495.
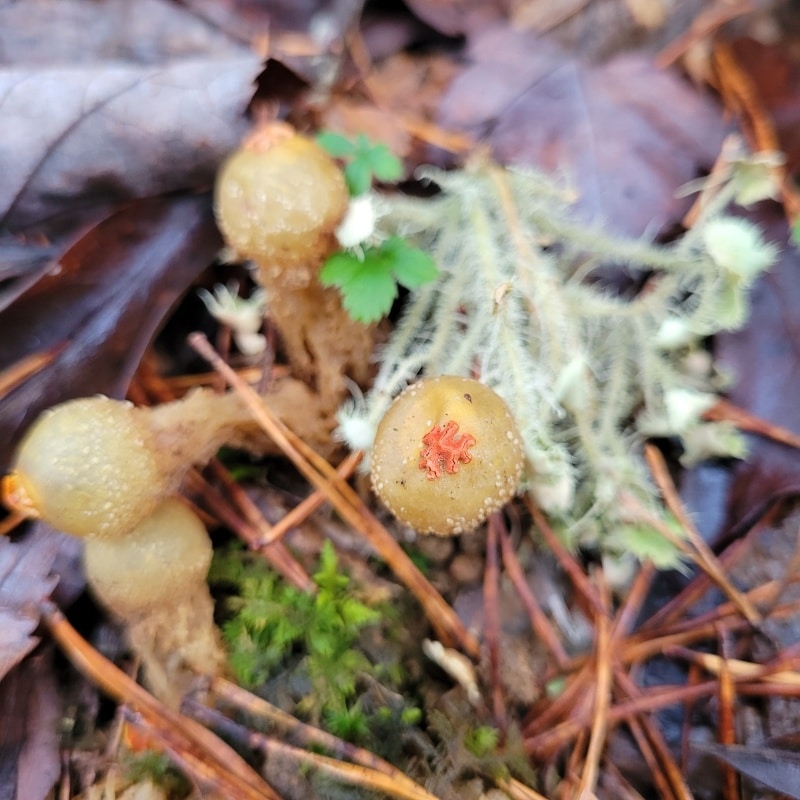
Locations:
column 164, row 559
column 446, row 454
column 88, row 467
column 279, row 204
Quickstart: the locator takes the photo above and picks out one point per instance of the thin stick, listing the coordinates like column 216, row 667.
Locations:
column 236, row 778
column 745, row 421
column 277, row 554
column 706, row 559
column 602, row 699
column 538, row 619
column 311, row 503
column 566, row 560
column 26, row 367
column 491, row 604
column 669, row 768
column 395, row 784
column 629, row 610
column 725, row 724
column 260, row 708
column 14, row 519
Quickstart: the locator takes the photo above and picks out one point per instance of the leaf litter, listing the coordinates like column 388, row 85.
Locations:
column 625, row 135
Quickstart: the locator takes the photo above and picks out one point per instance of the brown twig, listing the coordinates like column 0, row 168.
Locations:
column 311, row 503
column 276, row 554
column 18, row 372
column 566, row 560
column 703, row 555
column 725, row 722
column 538, row 619
column 196, row 746
column 395, row 783
column 666, row 764
column 307, row 735
column 745, row 421
column 602, row 700
column 491, row 604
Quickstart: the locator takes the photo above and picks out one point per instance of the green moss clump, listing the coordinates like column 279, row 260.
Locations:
column 307, row 646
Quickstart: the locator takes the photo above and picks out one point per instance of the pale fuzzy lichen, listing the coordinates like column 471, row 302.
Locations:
column 244, row 316
column 576, row 364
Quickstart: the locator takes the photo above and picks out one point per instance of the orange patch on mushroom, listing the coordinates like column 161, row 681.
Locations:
column 434, row 478
column 445, row 449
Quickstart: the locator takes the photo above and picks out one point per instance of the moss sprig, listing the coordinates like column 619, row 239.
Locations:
column 276, row 629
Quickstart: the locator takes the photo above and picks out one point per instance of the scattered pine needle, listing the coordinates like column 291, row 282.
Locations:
column 20, row 371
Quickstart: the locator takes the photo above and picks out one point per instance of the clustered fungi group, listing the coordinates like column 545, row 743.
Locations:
column 107, row 472
column 563, row 369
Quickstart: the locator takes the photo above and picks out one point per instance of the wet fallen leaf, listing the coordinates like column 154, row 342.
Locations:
column 102, row 304
column 456, row 17
column 40, row 32
column 25, row 580
column 625, row 134
column 78, row 140
column 30, row 713
column 778, row 769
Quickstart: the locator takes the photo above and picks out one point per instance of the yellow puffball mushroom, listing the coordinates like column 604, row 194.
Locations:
column 162, row 560
column 88, row 467
column 278, row 200
column 154, row 580
column 446, row 454
column 96, row 467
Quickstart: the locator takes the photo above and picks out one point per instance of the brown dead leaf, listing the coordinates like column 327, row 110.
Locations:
column 769, row 766
column 102, row 304
column 246, row 19
column 64, row 32
column 30, row 713
column 624, row 133
column 764, row 360
column 76, row 140
column 456, row 17
column 25, row 580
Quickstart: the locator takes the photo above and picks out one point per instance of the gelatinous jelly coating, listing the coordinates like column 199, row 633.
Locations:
column 410, row 472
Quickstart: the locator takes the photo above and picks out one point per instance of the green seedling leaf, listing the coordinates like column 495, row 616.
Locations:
column 411, row 267
column 336, row 145
column 339, row 269
column 358, row 176
column 370, row 294
column 369, row 285
column 384, row 164
column 365, row 161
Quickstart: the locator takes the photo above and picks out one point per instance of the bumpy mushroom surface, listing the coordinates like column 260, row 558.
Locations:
column 278, row 200
column 447, row 453
column 88, row 467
